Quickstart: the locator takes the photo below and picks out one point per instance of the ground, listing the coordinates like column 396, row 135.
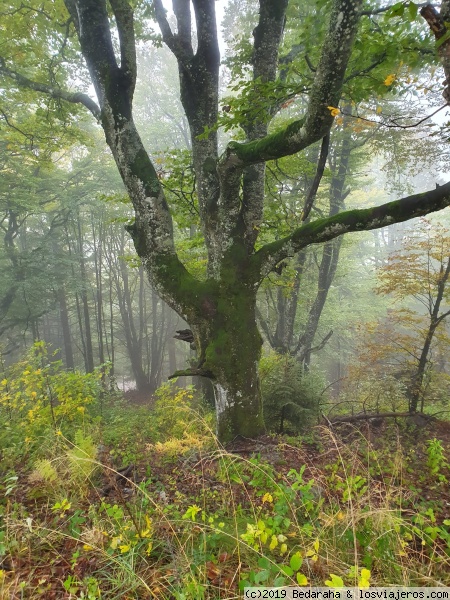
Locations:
column 185, row 518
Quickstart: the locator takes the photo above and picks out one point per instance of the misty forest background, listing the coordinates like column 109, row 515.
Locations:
column 356, row 327
column 70, row 276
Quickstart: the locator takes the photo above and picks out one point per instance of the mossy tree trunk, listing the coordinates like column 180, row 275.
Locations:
column 230, row 187
column 230, row 354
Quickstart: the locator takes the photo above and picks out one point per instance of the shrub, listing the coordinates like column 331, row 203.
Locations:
column 38, row 395
column 290, row 397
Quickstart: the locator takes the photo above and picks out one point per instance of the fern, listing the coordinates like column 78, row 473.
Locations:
column 44, row 472
column 290, row 397
column 81, row 458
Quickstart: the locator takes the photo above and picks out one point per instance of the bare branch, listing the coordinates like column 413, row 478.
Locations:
column 378, row 11
column 54, row 92
column 372, row 66
column 171, row 40
column 317, row 348
column 369, row 416
column 317, row 178
column 393, row 124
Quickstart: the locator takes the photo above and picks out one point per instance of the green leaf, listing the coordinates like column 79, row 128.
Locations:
column 264, row 563
column 286, row 570
column 335, row 581
column 443, row 39
column 262, row 576
column 396, row 11
column 296, row 561
column 412, row 9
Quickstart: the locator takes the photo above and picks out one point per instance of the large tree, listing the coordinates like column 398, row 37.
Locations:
column 220, row 308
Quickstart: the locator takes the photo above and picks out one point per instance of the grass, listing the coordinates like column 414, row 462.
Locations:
column 143, row 502
column 199, row 521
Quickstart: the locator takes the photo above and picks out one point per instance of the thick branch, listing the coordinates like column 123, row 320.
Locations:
column 125, row 26
column 208, row 45
column 369, row 416
column 182, row 10
column 54, row 92
column 438, row 26
column 363, row 219
column 268, row 34
column 317, row 178
column 96, row 43
column 181, row 51
column 325, row 92
column 191, row 373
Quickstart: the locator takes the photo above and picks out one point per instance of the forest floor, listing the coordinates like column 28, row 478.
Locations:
column 185, row 518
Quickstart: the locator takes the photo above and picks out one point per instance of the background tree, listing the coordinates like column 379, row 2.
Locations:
column 419, row 271
column 220, row 306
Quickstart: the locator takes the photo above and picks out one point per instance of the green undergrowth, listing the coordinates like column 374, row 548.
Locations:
column 117, row 501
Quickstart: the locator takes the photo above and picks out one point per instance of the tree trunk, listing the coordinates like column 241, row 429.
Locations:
column 65, row 325
column 89, row 354
column 229, row 346
column 435, row 320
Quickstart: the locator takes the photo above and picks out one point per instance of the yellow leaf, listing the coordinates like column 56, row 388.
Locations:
column 274, row 542
column 115, row 542
column 333, row 110
column 379, row 110
column 335, row 581
column 267, row 498
column 301, row 579
column 389, row 80
column 283, row 549
column 316, row 545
